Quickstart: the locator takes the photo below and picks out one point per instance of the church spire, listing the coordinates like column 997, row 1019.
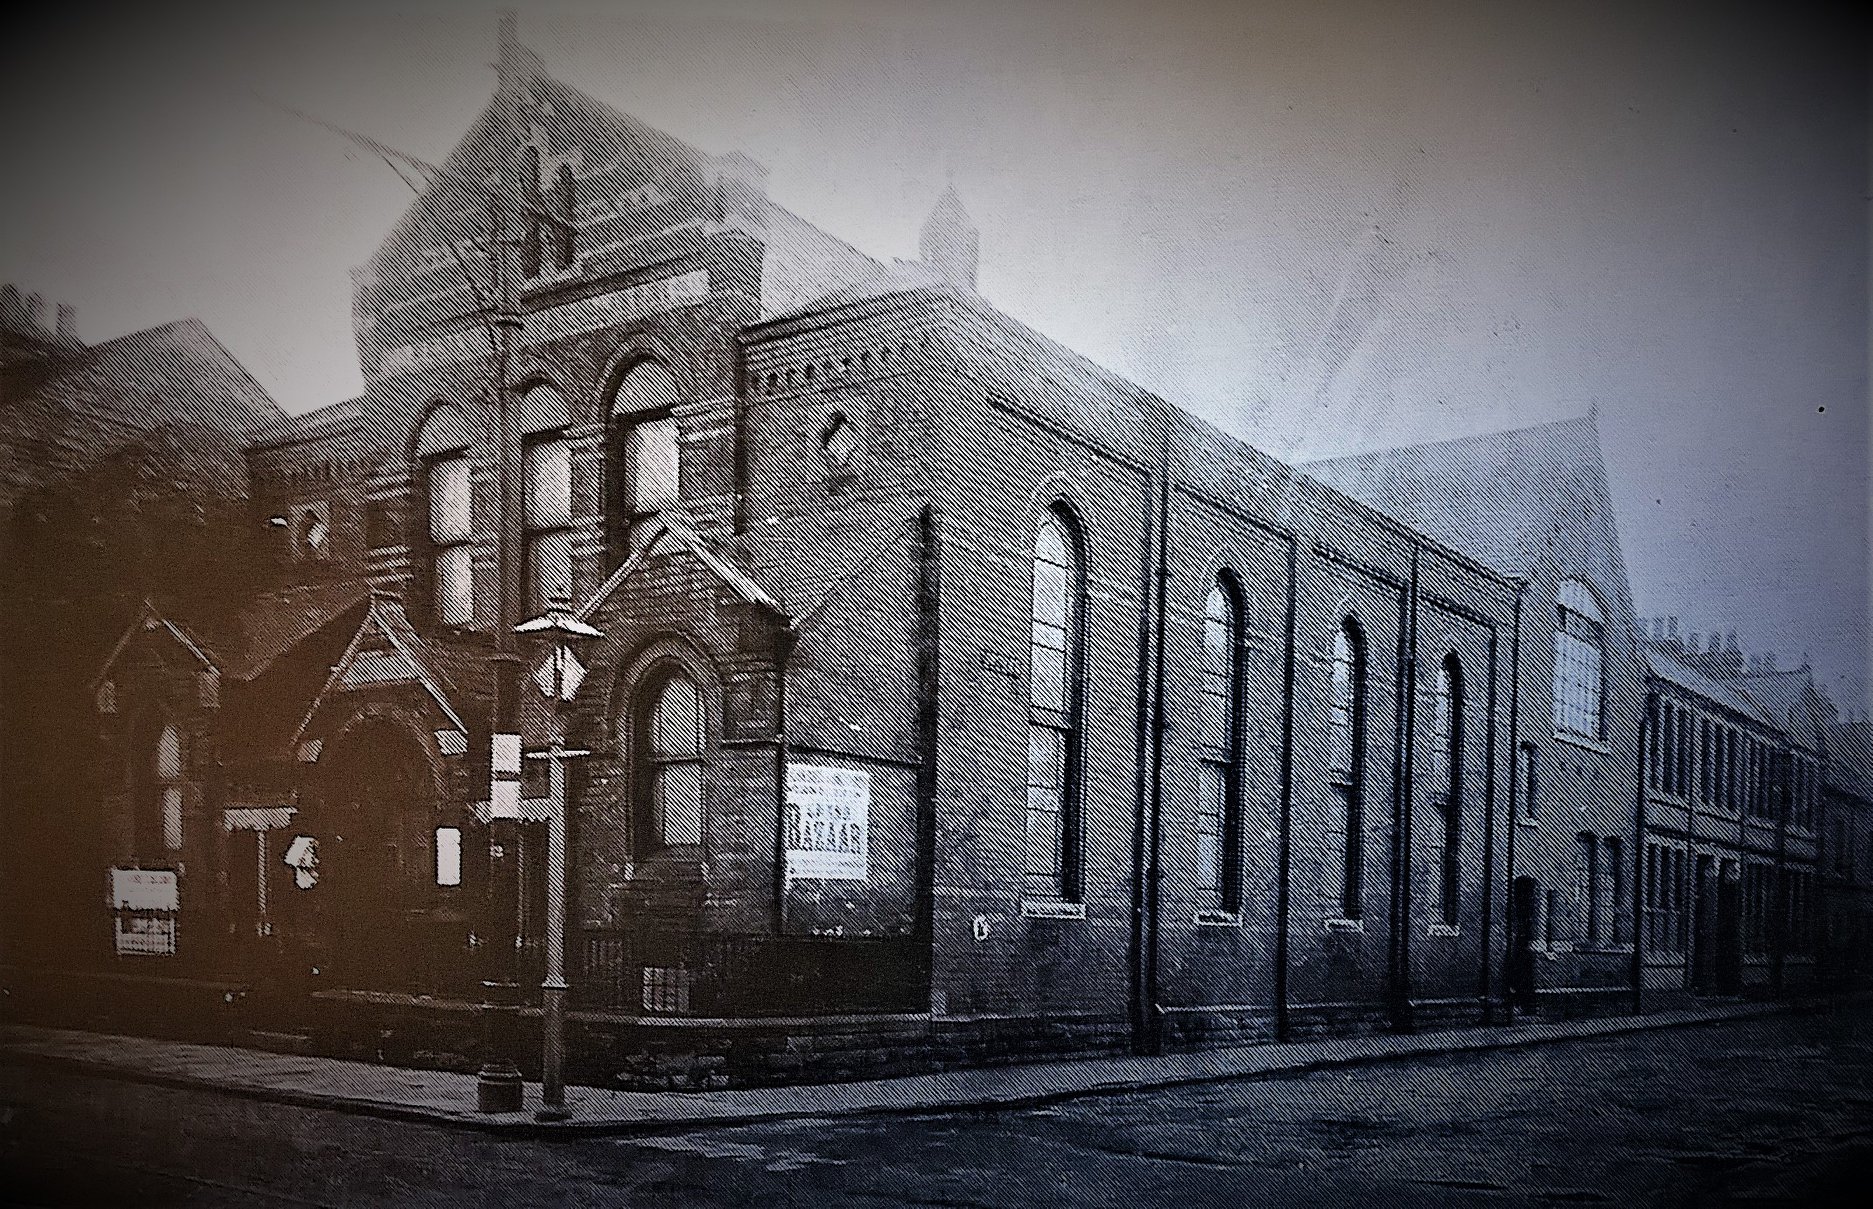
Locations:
column 949, row 243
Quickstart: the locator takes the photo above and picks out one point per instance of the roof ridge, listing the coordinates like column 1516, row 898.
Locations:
column 1581, row 421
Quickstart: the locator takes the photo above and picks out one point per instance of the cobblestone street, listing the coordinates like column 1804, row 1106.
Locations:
column 1763, row 1112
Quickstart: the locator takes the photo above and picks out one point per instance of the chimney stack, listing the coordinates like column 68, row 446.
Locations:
column 68, row 324
column 35, row 313
column 1671, row 624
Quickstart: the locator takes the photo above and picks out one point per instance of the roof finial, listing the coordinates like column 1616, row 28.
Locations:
column 949, row 243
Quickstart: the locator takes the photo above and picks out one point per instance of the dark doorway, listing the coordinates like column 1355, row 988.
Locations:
column 372, row 832
column 1729, row 973
column 1525, row 894
column 1703, row 927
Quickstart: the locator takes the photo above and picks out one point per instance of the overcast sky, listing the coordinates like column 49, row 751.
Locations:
column 1326, row 226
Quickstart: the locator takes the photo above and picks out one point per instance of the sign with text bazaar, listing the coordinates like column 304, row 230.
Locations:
column 143, row 906
column 828, row 821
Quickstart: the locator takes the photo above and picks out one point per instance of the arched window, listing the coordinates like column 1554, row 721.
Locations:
column 671, row 733
column 1586, row 904
column 1528, row 781
column 1579, row 678
column 1614, row 884
column 443, row 467
column 565, row 228
column 167, row 760
column 1054, row 711
column 1219, row 756
column 546, row 537
column 531, row 253
column 1346, row 763
column 838, row 442
column 646, row 465
column 1447, row 782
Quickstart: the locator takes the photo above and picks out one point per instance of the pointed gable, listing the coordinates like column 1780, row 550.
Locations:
column 636, row 196
column 1520, row 501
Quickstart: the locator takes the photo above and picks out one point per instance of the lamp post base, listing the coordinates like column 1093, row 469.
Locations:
column 499, row 1090
column 498, row 1086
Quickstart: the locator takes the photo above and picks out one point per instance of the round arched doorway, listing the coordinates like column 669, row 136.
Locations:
column 372, row 824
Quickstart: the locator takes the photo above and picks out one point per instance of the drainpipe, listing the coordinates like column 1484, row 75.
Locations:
column 1648, row 726
column 1509, row 937
column 1284, row 857
column 1138, row 1005
column 784, row 644
column 1154, row 1031
column 1487, row 1011
column 927, row 598
column 1403, row 793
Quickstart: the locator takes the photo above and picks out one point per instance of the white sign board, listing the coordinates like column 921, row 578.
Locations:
column 144, row 890
column 828, row 822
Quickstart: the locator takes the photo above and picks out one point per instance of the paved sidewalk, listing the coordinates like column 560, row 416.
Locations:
column 447, row 1098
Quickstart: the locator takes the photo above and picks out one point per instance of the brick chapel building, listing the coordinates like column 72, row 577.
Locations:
column 957, row 699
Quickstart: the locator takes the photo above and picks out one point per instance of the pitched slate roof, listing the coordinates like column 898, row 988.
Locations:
column 1667, row 666
column 91, row 402
column 1790, row 699
column 1850, row 758
column 177, row 372
column 1495, row 496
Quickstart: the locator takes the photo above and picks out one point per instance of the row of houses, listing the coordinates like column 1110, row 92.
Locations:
column 954, row 699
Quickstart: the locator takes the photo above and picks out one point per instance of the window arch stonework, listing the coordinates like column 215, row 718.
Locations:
column 1346, row 771
column 1056, row 645
column 440, row 451
column 667, row 712
column 644, row 443
column 1219, row 757
column 1579, row 662
column 1447, row 747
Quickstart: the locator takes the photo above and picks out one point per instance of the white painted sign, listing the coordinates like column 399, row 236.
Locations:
column 828, row 822
column 144, row 890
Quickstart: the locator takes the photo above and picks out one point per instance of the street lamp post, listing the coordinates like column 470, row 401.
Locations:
column 559, row 678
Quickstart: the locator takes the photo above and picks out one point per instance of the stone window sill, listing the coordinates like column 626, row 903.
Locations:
column 1335, row 924
column 1032, row 909
column 1443, row 930
column 1583, row 742
column 1219, row 919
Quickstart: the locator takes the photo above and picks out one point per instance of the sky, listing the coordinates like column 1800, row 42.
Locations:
column 1325, row 226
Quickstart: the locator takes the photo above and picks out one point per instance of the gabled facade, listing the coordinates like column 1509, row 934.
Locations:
column 955, row 699
column 1534, row 503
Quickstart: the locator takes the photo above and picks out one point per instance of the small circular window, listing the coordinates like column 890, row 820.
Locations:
column 839, row 442
column 313, row 535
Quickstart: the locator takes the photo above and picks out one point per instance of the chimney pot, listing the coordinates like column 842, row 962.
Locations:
column 35, row 313
column 68, row 323
column 1672, row 627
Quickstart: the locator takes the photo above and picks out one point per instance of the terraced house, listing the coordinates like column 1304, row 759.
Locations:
column 952, row 699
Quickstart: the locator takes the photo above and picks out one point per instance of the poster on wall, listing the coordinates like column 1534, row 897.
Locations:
column 144, row 903
column 828, row 821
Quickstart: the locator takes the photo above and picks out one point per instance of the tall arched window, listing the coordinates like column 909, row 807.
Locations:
column 1579, row 675
column 671, row 738
column 1346, row 762
column 159, row 793
column 443, row 467
column 1447, row 783
column 1219, row 757
column 546, row 537
column 1054, row 711
column 646, row 465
